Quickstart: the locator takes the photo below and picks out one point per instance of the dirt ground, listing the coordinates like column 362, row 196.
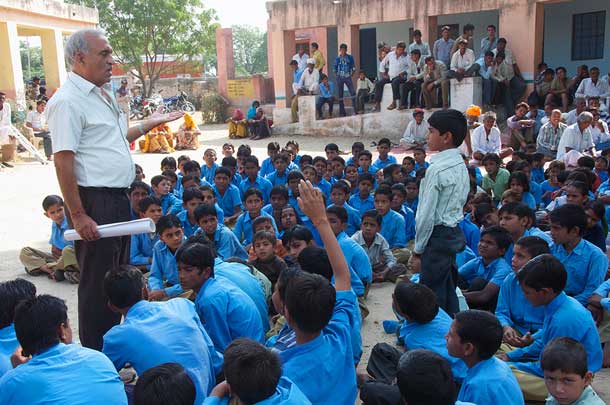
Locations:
column 23, row 223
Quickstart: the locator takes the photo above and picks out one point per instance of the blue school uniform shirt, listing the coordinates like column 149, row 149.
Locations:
column 208, row 173
column 57, row 235
column 413, row 204
column 219, row 213
column 236, row 179
column 491, row 381
column 226, row 243
column 64, row 374
column 586, row 266
column 472, row 234
column 371, row 170
column 528, row 199
column 464, row 256
column 293, row 202
column 563, row 317
column 603, row 291
column 324, row 187
column 495, row 272
column 536, row 192
column 229, row 200
column 545, row 187
column 533, row 231
column 603, row 175
column 514, row 310
column 142, row 341
column 418, row 166
column 243, row 227
column 362, row 205
column 266, row 167
column 277, row 179
column 478, row 175
column 8, row 344
column 227, row 313
column 409, row 217
column 354, row 219
column 164, row 271
column 170, row 204
column 358, row 262
column 260, row 183
column 393, row 229
column 537, row 174
column 381, row 164
column 188, row 228
column 240, row 276
column 286, row 393
column 141, row 249
column 431, row 336
column 328, row 357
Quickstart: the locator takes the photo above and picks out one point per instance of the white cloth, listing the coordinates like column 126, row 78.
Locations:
column 5, row 124
column 462, row 61
column 310, row 80
column 482, row 142
column 37, row 120
column 301, row 60
column 509, row 58
column 598, row 135
column 588, row 89
column 572, row 138
column 83, row 121
column 395, row 65
column 415, row 133
column 570, row 117
column 416, row 70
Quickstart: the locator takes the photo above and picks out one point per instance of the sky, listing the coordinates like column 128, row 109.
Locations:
column 240, row 12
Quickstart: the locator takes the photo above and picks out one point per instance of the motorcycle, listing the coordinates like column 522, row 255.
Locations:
column 179, row 102
column 141, row 107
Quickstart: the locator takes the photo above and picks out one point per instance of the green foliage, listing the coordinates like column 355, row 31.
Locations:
column 35, row 66
column 250, row 50
column 213, row 108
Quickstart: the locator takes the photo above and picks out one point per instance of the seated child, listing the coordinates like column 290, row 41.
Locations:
column 254, row 180
column 188, row 134
column 365, row 159
column 209, row 168
column 412, row 188
column 253, row 375
column 230, row 163
column 12, row 293
column 191, row 199
column 225, row 311
column 599, row 306
column 61, row 263
column 584, row 263
column 474, row 337
column 393, row 227
column 44, row 333
column 601, row 168
column 141, row 247
column 294, row 178
column 140, row 176
column 596, row 222
column 496, row 179
column 265, row 223
column 278, row 198
column 518, row 219
column 383, row 147
column 357, row 147
column 311, row 174
column 279, row 175
column 228, row 149
column 253, row 202
column 164, row 384
column 543, row 280
column 399, row 194
column 537, row 170
column 419, row 154
column 175, row 186
column 393, row 174
column 518, row 182
column 511, row 197
column 321, row 166
column 169, row 163
column 337, row 169
column 296, row 239
column 266, row 261
column 273, row 148
column 225, row 242
column 331, row 150
column 409, row 164
column 237, row 125
column 210, row 198
column 339, row 193
column 363, row 200
column 163, row 281
column 227, row 195
column 526, row 167
column 483, row 276
column 294, row 159
column 566, row 374
column 141, row 340
column 549, row 186
column 137, row 191
column 161, row 187
column 416, row 133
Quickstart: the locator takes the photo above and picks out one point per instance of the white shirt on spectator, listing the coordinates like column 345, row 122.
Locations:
column 86, row 119
column 486, row 143
column 462, row 61
column 509, row 59
column 5, row 123
column 301, row 60
column 310, row 80
column 598, row 135
column 589, row 89
column 37, row 120
column 415, row 133
column 574, row 139
column 570, row 117
column 395, row 64
column 423, row 47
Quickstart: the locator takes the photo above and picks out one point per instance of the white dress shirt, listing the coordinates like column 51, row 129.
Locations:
column 509, row 58
column 90, row 123
column 5, row 123
column 415, row 133
column 395, row 64
column 301, row 60
column 462, row 61
column 310, row 80
column 588, row 89
column 37, row 120
column 486, row 143
column 574, row 139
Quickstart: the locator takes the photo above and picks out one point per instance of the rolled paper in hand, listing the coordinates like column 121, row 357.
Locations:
column 145, row 225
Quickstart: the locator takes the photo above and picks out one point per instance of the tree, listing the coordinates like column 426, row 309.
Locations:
column 250, row 50
column 31, row 60
column 146, row 33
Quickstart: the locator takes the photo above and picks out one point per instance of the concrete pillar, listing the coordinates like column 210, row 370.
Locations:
column 53, row 58
column 269, row 49
column 11, row 74
column 283, row 48
column 428, row 27
column 225, row 58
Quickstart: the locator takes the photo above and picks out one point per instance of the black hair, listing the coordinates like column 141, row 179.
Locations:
column 190, row 166
column 205, row 210
column 273, row 146
column 281, row 156
column 166, row 222
column 357, row 144
column 338, row 159
column 570, row 216
column 586, row 161
column 223, row 170
column 580, row 186
column 400, row 188
column 314, row 260
column 416, row 51
column 228, row 161
column 269, row 236
column 416, row 301
column 280, row 190
column 305, row 160
column 500, row 235
column 165, row 384
column 36, row 322
column 169, row 161
column 251, row 159
column 146, row 202
column 340, row 212
column 373, row 214
column 310, row 301
column 341, row 185
column 365, row 153
column 244, row 150
column 480, row 328
column 157, row 179
column 297, row 232
column 331, row 146
column 295, row 175
column 260, row 219
column 450, row 121
column 343, row 46
column 492, row 157
column 544, row 271
column 468, row 27
column 196, row 254
column 284, row 278
column 252, row 191
column 384, row 189
column 366, row 177
column 191, row 177
column 565, row 354
column 521, row 178
column 319, row 159
column 138, row 185
column 389, row 169
column 13, row 292
column 519, row 165
column 534, row 245
column 424, row 377
column 167, row 174
column 191, row 193
column 123, row 286
column 252, row 370
column 51, row 200
column 519, row 209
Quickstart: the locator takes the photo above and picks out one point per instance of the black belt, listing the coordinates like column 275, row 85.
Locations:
column 114, row 190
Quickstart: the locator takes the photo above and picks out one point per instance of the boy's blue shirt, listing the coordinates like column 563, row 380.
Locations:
column 277, row 179
column 495, row 272
column 286, row 393
column 514, row 310
column 371, row 170
column 533, row 231
column 324, row 186
column 208, row 173
column 393, row 229
column 478, row 175
column 8, row 344
column 243, row 227
column 528, row 199
column 229, row 200
column 142, row 341
column 188, row 228
column 464, row 256
column 536, row 192
column 409, row 217
column 472, row 234
column 329, row 357
column 141, row 249
column 227, row 313
column 50, row 376
column 545, row 186
column 418, row 166
column 537, row 174
column 603, row 175
column 358, row 262
column 412, row 204
column 260, row 183
column 381, row 164
column 266, row 167
column 563, row 317
column 586, row 266
column 354, row 219
column 219, row 213
column 170, row 204
column 57, row 235
column 431, row 336
column 489, row 382
column 237, row 178
column 293, row 202
column 226, row 243
column 603, row 290
column 164, row 270
column 362, row 205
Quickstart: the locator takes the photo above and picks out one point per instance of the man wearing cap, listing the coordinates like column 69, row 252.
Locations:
column 442, row 47
column 423, row 47
column 462, row 62
column 435, row 76
column 301, row 58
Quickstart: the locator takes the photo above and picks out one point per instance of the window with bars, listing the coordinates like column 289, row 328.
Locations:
column 588, row 31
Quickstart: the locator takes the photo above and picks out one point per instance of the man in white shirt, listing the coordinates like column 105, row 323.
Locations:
column 301, row 58
column 94, row 169
column 416, row 134
column 310, row 79
column 423, row 47
column 415, row 78
column 593, row 86
column 396, row 63
column 577, row 137
column 571, row 116
column 517, row 84
column 5, row 125
column 462, row 63
column 486, row 139
column 38, row 122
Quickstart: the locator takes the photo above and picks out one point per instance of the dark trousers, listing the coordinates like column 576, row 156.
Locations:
column 438, row 267
column 396, row 82
column 379, row 89
column 321, row 101
column 361, row 98
column 412, row 89
column 347, row 81
column 46, row 141
column 383, row 367
column 104, row 206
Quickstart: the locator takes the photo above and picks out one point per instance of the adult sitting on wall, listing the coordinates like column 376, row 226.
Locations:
column 517, row 84
column 462, row 63
column 435, row 77
column 396, row 63
column 411, row 89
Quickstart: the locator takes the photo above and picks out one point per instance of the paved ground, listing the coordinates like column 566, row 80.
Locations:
column 24, row 224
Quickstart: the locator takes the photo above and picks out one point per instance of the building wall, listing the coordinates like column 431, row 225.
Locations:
column 480, row 21
column 390, row 32
column 558, row 34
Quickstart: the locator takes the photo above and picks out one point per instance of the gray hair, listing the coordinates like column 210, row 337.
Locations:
column 489, row 115
column 78, row 43
column 584, row 117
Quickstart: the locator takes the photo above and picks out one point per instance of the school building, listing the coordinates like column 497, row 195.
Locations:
column 562, row 33
column 52, row 21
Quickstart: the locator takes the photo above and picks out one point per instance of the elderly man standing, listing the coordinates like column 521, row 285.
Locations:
column 577, row 137
column 94, row 169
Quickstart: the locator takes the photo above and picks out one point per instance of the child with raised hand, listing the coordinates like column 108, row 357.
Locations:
column 141, row 247
column 163, row 282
